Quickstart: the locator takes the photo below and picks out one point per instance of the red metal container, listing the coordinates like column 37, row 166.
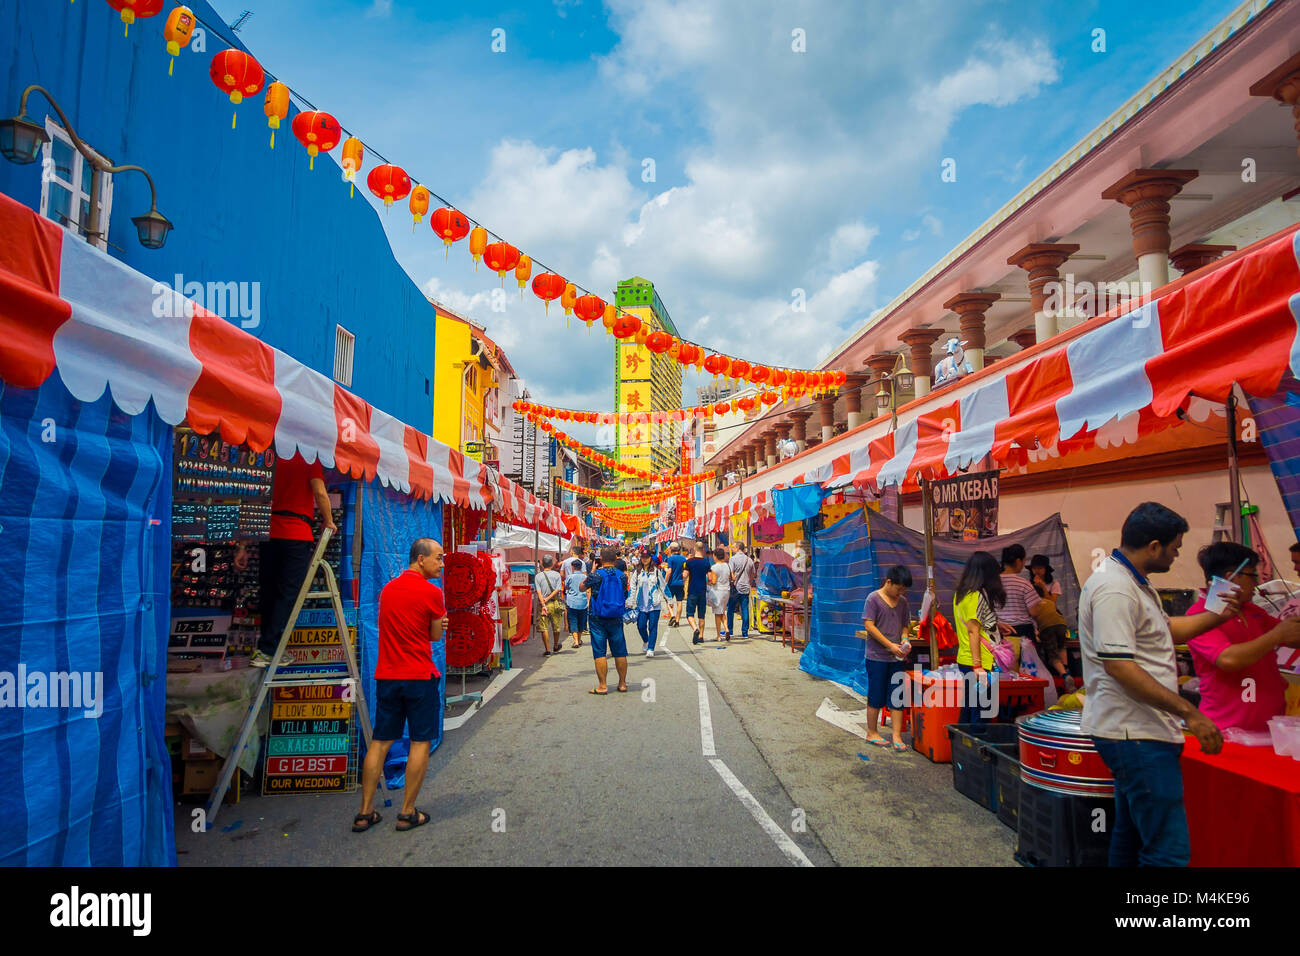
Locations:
column 1055, row 755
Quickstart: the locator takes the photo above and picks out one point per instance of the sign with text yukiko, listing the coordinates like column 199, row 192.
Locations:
column 309, row 748
column 966, row 507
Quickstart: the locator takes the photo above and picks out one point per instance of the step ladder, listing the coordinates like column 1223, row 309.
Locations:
column 271, row 681
column 1223, row 522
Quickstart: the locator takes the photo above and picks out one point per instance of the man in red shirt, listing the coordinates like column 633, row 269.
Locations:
column 411, row 619
column 296, row 491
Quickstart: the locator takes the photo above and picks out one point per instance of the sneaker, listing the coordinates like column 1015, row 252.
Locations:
column 649, row 652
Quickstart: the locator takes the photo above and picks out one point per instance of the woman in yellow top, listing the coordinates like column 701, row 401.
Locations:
column 978, row 594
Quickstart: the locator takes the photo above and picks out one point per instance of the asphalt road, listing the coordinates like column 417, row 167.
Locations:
column 546, row 774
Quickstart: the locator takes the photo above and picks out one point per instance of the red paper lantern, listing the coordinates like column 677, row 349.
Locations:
column 659, row 342
column 739, row 368
column 769, row 398
column 317, row 131
column 130, row 9
column 779, row 377
column 501, row 257
column 236, row 73
column 389, row 183
column 797, row 379
column 713, row 364
column 745, row 404
column 589, row 308
column 626, row 325
column 760, row 374
column 547, row 287
column 449, row 225
column 840, row 378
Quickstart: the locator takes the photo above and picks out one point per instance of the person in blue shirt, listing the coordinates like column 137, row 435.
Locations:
column 575, row 600
column 676, row 565
column 697, row 589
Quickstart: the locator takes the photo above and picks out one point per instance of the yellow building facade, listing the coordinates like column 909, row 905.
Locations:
column 645, row 382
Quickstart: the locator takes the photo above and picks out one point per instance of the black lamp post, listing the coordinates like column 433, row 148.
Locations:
column 21, row 142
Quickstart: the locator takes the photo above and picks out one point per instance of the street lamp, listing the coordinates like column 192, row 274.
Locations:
column 21, row 142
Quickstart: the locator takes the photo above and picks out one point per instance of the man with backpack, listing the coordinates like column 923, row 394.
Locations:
column 608, row 588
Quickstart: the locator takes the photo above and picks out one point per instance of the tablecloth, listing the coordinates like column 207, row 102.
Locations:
column 1243, row 806
column 211, row 708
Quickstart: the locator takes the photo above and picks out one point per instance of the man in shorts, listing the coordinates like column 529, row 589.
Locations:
column 697, row 589
column 550, row 593
column 676, row 565
column 412, row 615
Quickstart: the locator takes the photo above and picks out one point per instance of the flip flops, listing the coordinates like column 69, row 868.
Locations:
column 599, row 693
column 878, row 742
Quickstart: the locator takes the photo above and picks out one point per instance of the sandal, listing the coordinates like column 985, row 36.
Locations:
column 412, row 820
column 900, row 747
column 599, row 693
column 368, row 819
column 623, row 689
column 878, row 742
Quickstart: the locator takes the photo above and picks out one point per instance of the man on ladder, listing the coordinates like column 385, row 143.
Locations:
column 412, row 615
column 298, row 488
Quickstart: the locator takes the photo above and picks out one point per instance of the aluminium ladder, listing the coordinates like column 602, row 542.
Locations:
column 270, row 681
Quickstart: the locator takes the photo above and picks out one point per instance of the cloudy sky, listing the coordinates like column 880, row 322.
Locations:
column 732, row 152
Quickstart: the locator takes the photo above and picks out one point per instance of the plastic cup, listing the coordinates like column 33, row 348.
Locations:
column 1217, row 593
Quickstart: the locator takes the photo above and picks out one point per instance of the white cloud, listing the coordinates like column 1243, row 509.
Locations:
column 380, row 8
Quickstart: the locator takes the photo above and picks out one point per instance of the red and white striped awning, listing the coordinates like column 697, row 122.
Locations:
column 1110, row 381
column 66, row 305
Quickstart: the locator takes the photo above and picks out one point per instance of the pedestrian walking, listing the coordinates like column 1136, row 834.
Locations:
column 647, row 585
column 575, row 602
column 1133, row 710
column 743, row 574
column 720, row 592
column 608, row 589
column 696, row 575
column 676, row 565
column 412, row 615
column 550, row 594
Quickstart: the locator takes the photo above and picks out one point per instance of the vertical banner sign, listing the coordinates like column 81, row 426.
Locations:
column 966, row 507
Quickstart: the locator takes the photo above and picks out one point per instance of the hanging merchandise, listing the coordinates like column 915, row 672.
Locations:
column 469, row 638
column 354, row 151
column 389, row 183
column 419, row 205
column 178, row 32
column 449, row 225
column 276, row 107
column 464, row 580
column 522, row 272
column 317, row 131
column 131, row 9
column 236, row 73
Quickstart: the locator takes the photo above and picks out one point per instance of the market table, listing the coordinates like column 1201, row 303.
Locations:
column 1243, row 806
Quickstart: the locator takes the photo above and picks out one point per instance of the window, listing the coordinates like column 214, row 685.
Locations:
column 344, row 343
column 65, row 186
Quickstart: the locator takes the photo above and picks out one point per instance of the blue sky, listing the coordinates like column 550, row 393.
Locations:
column 774, row 170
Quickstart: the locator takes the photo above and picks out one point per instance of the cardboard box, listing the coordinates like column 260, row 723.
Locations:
column 509, row 619
column 192, row 749
column 200, row 776
column 520, row 579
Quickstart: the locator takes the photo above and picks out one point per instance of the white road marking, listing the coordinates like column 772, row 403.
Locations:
column 493, row 688
column 783, row 842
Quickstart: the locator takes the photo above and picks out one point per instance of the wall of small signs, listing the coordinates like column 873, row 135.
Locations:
column 312, row 743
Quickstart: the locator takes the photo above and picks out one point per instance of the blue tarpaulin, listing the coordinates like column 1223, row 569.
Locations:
column 390, row 521
column 843, row 574
column 797, row 503
column 85, row 526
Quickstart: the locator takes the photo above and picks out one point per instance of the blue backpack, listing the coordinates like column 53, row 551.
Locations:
column 610, row 599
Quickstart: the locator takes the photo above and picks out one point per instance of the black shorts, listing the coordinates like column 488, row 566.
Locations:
column 695, row 604
column 407, row 702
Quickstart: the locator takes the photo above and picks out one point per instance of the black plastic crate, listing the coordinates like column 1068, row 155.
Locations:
column 973, row 762
column 1007, row 782
column 1056, row 829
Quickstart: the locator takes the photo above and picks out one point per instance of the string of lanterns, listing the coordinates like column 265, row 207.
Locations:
column 599, row 458
column 746, row 404
column 650, row 497
column 239, row 75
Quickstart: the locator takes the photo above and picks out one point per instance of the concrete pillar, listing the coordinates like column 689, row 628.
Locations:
column 769, row 447
column 1283, row 85
column 1025, row 338
column 800, row 429
column 1043, row 261
column 1147, row 192
column 1195, row 255
column 827, row 407
column 853, row 399
column 920, row 345
column 970, row 308
column 760, row 455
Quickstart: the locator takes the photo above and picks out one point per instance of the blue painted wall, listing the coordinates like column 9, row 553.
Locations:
column 242, row 212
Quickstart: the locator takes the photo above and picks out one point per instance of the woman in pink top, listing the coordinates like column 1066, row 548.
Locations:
column 1237, row 661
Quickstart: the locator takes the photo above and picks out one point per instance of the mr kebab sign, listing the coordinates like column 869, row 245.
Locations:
column 966, row 507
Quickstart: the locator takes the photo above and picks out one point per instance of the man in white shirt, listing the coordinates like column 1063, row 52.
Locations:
column 550, row 593
column 1133, row 710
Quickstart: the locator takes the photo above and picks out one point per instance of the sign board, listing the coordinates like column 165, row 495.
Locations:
column 473, row 449
column 966, row 507
column 199, row 633
column 310, row 746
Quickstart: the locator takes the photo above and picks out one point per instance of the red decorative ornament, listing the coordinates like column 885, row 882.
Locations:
column 464, row 580
column 449, row 225
column 659, row 342
column 779, row 377
column 797, row 379
column 589, row 308
column 548, row 286
column 131, row 9
column 501, row 257
column 713, row 364
column 318, row 132
column 769, row 398
column 389, row 183
column 760, row 374
column 739, row 368
column 626, row 326
column 236, row 73
column 840, row 378
column 745, row 404
column 470, row 637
